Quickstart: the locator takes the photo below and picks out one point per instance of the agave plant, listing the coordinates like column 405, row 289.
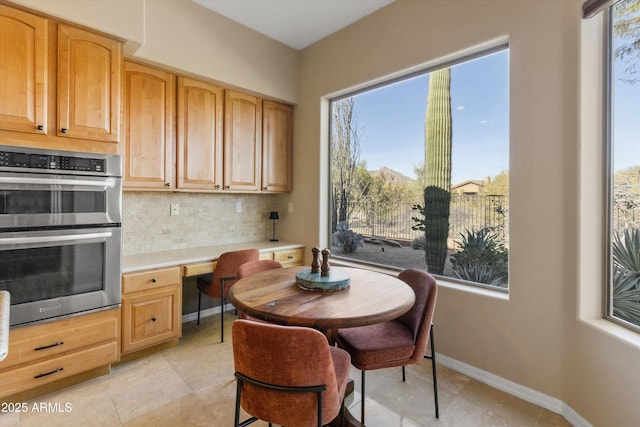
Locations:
column 481, row 258
column 479, row 273
column 626, row 275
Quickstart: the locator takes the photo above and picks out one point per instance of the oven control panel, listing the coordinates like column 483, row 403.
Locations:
column 21, row 160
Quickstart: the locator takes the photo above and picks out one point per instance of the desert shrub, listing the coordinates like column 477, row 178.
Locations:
column 419, row 243
column 481, row 257
column 626, row 275
column 346, row 239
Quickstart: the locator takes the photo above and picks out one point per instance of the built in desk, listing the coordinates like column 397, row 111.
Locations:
column 156, row 289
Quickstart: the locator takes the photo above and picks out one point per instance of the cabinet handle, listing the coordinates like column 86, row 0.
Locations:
column 63, row 130
column 227, row 186
column 216, row 186
column 40, row 127
column 44, row 347
column 153, row 319
column 167, row 184
column 55, row 371
column 264, row 188
column 290, row 257
column 153, row 280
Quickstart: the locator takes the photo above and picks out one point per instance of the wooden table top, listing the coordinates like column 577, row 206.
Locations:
column 273, row 296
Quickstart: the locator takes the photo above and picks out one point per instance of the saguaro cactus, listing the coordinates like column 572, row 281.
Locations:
column 437, row 194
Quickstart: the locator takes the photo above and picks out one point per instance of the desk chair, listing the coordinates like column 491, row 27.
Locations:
column 217, row 285
column 287, row 375
column 398, row 342
column 253, row 267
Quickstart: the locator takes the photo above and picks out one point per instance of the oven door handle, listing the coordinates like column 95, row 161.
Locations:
column 103, row 183
column 54, row 239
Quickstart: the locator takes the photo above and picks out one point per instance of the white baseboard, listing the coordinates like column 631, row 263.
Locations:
column 525, row 393
column 205, row 313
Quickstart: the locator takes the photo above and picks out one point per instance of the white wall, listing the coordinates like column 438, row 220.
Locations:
column 537, row 337
column 188, row 37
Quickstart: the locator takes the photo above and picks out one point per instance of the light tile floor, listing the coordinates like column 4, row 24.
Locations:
column 193, row 385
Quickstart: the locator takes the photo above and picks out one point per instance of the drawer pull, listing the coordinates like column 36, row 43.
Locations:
column 49, row 346
column 290, row 257
column 153, row 319
column 153, row 280
column 55, row 371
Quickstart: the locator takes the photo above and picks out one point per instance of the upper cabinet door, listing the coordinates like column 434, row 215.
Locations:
column 149, row 115
column 242, row 141
column 199, row 153
column 276, row 147
column 89, row 68
column 23, row 71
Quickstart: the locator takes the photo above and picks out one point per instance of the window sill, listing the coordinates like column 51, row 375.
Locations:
column 619, row 332
column 442, row 281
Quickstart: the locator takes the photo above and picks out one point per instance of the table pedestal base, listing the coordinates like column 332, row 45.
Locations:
column 349, row 419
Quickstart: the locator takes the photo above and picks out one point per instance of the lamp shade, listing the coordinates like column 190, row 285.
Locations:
column 273, row 215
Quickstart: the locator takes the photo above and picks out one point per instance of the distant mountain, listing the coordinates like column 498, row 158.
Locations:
column 389, row 175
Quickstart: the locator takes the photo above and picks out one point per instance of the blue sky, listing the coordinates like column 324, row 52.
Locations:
column 626, row 113
column 391, row 121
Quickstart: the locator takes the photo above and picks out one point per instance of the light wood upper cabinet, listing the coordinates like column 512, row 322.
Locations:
column 276, row 147
column 199, row 123
column 89, row 73
column 149, row 115
column 242, row 141
column 23, row 71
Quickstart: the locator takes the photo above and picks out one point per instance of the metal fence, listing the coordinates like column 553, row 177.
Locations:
column 393, row 221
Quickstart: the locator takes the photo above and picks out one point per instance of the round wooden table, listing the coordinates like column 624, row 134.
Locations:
column 273, row 296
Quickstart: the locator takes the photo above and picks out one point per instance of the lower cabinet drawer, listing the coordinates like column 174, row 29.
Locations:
column 150, row 318
column 37, row 374
column 290, row 258
column 42, row 342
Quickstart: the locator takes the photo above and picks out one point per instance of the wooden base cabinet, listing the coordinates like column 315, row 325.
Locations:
column 288, row 258
column 151, row 308
column 48, row 352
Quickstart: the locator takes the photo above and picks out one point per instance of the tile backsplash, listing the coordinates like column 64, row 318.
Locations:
column 203, row 219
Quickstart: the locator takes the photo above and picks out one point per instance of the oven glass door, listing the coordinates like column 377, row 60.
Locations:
column 36, row 200
column 59, row 272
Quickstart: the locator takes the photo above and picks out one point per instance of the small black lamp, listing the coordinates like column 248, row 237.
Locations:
column 273, row 215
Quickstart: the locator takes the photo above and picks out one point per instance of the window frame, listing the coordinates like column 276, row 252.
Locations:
column 500, row 46
column 608, row 145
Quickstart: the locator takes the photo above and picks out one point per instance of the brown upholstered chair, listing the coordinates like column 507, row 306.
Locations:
column 253, row 267
column 287, row 375
column 398, row 342
column 217, row 285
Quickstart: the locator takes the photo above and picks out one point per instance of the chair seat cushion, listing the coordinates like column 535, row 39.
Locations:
column 369, row 351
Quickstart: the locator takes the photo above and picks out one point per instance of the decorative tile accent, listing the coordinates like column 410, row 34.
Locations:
column 204, row 219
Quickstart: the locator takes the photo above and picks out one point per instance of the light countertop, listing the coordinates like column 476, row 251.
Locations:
column 151, row 260
column 4, row 324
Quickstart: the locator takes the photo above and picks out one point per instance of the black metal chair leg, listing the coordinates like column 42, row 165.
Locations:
column 221, row 309
column 199, row 299
column 403, row 375
column 362, row 399
column 433, row 369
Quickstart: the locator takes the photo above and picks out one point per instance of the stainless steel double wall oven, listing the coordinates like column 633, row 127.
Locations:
column 60, row 232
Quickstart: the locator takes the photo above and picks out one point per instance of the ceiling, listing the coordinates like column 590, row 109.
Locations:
column 296, row 23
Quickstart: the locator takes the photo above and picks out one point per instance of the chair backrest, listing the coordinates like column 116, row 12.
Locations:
column 420, row 317
column 253, row 267
column 285, row 356
column 227, row 267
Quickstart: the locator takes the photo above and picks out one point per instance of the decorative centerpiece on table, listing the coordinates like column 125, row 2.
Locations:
column 320, row 277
